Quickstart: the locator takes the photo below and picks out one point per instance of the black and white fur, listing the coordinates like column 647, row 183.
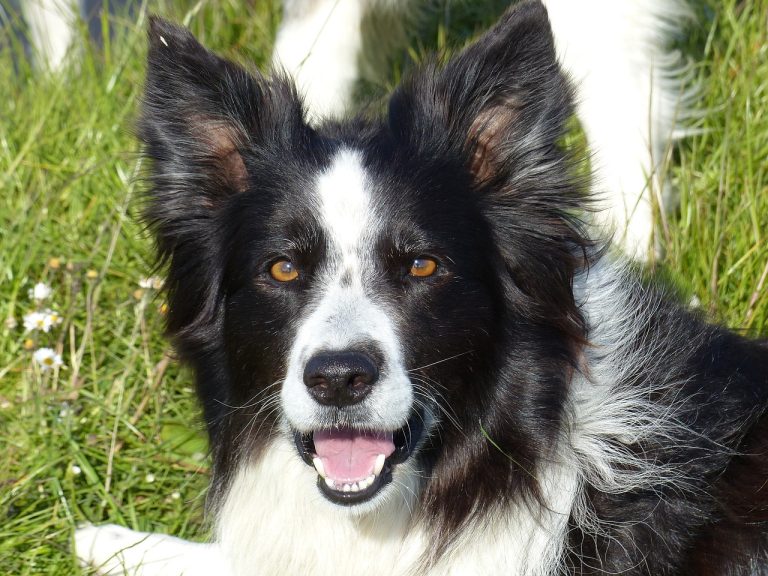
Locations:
column 565, row 416
column 633, row 91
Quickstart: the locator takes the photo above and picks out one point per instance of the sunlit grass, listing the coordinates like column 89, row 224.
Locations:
column 113, row 433
column 717, row 246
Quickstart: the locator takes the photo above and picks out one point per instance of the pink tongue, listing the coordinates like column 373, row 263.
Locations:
column 349, row 455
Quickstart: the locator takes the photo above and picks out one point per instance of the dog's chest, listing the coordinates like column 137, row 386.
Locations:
column 275, row 522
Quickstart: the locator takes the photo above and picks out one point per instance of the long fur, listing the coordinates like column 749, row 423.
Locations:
column 575, row 419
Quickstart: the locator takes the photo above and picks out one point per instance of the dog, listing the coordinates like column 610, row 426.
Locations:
column 413, row 355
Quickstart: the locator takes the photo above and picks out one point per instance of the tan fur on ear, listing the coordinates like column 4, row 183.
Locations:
column 223, row 143
column 487, row 133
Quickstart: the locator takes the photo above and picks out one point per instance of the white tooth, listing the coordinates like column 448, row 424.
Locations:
column 347, row 487
column 364, row 484
column 319, row 466
column 355, row 487
column 379, row 466
column 330, row 483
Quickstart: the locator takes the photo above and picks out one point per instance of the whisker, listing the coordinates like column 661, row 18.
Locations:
column 253, row 401
column 271, row 403
column 438, row 400
column 440, row 361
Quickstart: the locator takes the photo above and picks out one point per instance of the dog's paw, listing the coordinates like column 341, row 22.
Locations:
column 116, row 551
column 100, row 547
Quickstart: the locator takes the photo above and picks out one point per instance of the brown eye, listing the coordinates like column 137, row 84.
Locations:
column 423, row 267
column 283, row 271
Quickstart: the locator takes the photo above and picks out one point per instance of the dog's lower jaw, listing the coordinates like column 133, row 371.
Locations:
column 374, row 474
column 274, row 521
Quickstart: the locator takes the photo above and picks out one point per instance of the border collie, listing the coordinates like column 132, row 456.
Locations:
column 412, row 356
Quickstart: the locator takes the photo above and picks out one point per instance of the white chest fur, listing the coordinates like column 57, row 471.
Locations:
column 275, row 522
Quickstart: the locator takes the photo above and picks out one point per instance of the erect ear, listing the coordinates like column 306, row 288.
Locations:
column 495, row 113
column 202, row 115
column 208, row 127
column 495, row 104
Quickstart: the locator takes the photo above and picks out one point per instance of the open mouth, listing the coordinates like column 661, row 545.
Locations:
column 353, row 465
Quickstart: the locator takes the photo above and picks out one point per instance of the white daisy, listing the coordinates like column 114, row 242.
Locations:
column 53, row 317
column 40, row 292
column 153, row 282
column 36, row 321
column 42, row 320
column 47, row 358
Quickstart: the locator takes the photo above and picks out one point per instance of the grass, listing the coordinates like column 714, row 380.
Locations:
column 108, row 436
column 716, row 246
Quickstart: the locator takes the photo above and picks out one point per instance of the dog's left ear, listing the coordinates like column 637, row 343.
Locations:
column 496, row 113
column 498, row 104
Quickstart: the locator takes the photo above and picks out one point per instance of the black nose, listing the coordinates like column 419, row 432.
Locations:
column 340, row 378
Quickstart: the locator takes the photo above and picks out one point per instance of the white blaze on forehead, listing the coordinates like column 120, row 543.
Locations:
column 344, row 201
column 344, row 314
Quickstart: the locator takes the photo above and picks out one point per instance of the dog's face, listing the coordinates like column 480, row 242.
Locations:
column 351, row 286
column 355, row 276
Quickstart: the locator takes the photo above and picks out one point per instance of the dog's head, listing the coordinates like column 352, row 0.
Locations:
column 393, row 294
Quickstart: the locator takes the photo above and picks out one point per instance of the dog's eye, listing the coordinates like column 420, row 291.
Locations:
column 283, row 271
column 423, row 267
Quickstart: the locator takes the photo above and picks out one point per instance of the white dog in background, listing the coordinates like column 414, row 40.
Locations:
column 52, row 27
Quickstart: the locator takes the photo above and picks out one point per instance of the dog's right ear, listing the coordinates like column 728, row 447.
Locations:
column 203, row 116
